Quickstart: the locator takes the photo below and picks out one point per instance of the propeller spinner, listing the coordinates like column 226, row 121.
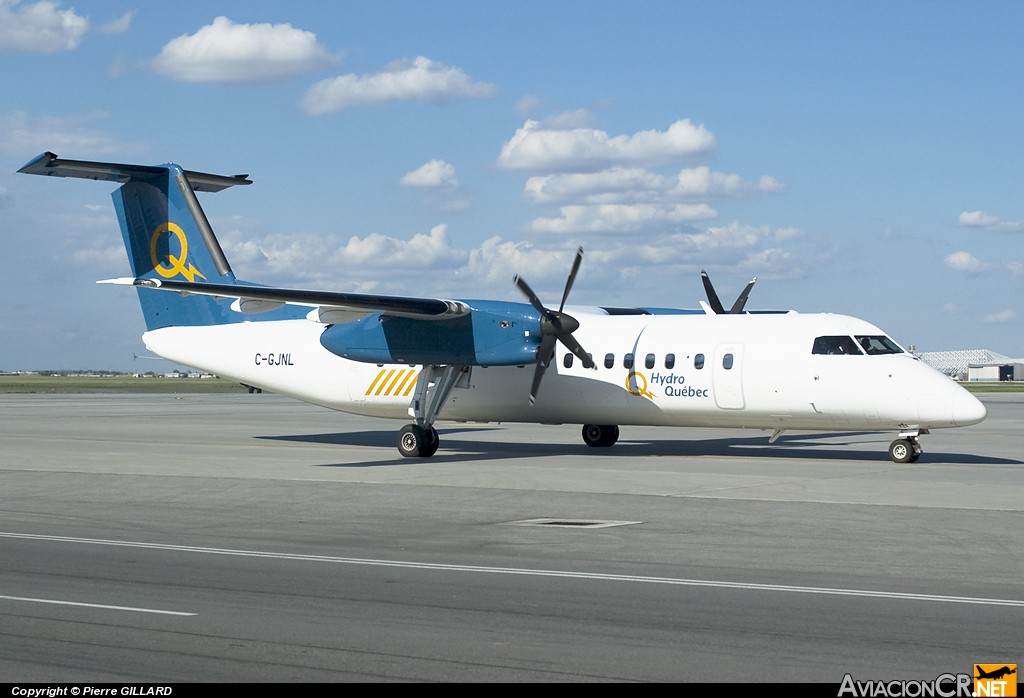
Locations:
column 716, row 304
column 554, row 327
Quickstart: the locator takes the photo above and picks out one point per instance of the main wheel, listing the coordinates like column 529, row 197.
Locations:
column 433, row 441
column 600, row 435
column 416, row 442
column 903, row 451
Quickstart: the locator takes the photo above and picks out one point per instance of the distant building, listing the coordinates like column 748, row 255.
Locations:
column 975, row 364
column 996, row 372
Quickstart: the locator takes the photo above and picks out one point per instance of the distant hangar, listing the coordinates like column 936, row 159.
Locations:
column 975, row 364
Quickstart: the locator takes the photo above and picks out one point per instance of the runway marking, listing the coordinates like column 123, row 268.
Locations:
column 97, row 605
column 529, row 572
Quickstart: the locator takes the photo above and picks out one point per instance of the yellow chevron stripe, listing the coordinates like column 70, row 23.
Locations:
column 408, row 374
column 368, row 390
column 398, row 375
column 411, row 385
column 384, row 382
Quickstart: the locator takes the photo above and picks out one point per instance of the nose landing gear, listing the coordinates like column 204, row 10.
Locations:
column 907, row 448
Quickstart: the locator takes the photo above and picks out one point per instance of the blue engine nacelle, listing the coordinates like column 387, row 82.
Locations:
column 493, row 334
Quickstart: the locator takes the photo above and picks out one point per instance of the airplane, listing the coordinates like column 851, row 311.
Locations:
column 996, row 673
column 468, row 360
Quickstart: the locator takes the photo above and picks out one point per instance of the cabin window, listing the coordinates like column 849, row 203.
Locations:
column 835, row 344
column 670, row 360
column 727, row 362
column 698, row 361
column 649, row 361
column 878, row 344
column 609, row 360
column 627, row 361
column 567, row 359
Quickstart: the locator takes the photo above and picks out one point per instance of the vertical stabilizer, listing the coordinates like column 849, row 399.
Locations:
column 165, row 232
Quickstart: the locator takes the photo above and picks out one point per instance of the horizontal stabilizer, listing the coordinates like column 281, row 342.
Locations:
column 50, row 165
column 394, row 306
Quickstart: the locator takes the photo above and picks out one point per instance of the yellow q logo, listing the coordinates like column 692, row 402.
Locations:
column 633, row 385
column 177, row 264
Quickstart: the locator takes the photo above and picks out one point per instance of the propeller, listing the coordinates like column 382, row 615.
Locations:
column 554, row 327
column 716, row 304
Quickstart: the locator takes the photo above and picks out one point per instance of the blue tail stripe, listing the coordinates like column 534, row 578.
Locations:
column 164, row 242
column 163, row 227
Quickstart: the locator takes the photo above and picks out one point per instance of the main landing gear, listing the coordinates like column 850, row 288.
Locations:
column 600, row 435
column 907, row 448
column 434, row 385
column 415, row 441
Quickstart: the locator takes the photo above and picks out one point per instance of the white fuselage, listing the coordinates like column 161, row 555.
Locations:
column 688, row 370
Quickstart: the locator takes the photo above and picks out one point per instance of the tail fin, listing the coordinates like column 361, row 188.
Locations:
column 165, row 232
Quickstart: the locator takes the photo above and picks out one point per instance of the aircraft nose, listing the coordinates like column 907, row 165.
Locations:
column 967, row 409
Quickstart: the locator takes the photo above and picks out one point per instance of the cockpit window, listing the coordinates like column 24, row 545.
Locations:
column 878, row 344
column 838, row 344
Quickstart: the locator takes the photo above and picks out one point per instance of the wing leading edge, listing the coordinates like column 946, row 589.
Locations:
column 394, row 306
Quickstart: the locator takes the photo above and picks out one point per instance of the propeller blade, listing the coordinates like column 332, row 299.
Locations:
column 544, row 356
column 528, row 292
column 572, row 276
column 572, row 345
column 713, row 300
column 737, row 307
column 554, row 327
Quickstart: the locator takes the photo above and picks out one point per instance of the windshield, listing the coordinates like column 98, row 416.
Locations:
column 878, row 344
column 835, row 344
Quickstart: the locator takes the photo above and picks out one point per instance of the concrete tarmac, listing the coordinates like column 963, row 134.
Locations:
column 254, row 538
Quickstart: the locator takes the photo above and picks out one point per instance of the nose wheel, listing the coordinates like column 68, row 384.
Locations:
column 905, row 450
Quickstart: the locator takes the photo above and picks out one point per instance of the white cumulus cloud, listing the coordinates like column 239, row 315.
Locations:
column 620, row 218
column 619, row 184
column 1002, row 316
column 434, row 174
column 434, row 264
column 732, row 236
column 980, row 219
column 964, row 261
column 491, row 266
column 419, row 251
column 119, row 25
column 421, row 80
column 40, row 27
column 227, row 52
column 544, row 149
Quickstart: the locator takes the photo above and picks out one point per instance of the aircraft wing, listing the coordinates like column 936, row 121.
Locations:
column 267, row 298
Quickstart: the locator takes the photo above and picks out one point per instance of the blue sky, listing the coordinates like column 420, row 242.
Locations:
column 859, row 158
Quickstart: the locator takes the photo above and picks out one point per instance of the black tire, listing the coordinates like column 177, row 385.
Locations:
column 903, row 451
column 410, row 440
column 430, row 447
column 600, row 435
column 416, row 442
